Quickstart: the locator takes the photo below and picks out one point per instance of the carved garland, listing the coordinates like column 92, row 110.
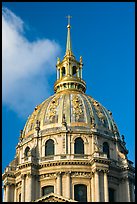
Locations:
column 100, row 114
column 77, row 107
column 52, row 110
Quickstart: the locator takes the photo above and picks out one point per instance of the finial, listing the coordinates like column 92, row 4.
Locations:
column 68, row 45
column 58, row 60
column 21, row 134
column 123, row 139
column 37, row 128
column 68, row 17
column 81, row 59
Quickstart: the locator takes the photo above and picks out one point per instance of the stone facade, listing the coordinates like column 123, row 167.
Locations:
column 69, row 143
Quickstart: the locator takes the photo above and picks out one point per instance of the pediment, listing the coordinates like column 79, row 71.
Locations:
column 52, row 197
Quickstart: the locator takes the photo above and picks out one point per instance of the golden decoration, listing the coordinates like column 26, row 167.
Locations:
column 52, row 110
column 32, row 118
column 77, row 107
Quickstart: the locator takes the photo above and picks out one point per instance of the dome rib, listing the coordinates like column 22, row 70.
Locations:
column 78, row 109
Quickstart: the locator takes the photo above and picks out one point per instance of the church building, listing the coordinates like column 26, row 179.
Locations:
column 70, row 149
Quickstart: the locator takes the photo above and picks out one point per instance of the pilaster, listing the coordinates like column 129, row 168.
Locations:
column 7, row 193
column 29, row 187
column 92, row 189
column 68, row 184
column 106, row 195
column 23, row 188
column 58, row 183
column 97, row 190
column 15, row 194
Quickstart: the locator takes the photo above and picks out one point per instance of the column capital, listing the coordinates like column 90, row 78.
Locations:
column 29, row 175
column 125, row 178
column 58, row 173
column 67, row 172
column 8, row 184
column 105, row 171
column 100, row 170
column 23, row 176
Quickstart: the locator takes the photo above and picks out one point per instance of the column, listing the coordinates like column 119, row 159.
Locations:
column 92, row 189
column 68, row 69
column 59, row 183
column 80, row 72
column 127, row 193
column 23, row 188
column 29, row 187
column 97, row 191
column 119, row 192
column 60, row 73
column 68, row 184
column 132, row 192
column 122, row 191
column 77, row 71
column 57, row 74
column 15, row 193
column 7, row 193
column 37, row 188
column 106, row 197
column 4, row 196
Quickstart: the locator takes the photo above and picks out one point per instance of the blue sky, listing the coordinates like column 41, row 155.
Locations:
column 34, row 34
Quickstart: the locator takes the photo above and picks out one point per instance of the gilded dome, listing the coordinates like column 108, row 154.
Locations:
column 70, row 107
column 74, row 109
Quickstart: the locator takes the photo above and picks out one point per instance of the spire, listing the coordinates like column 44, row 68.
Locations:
column 68, row 45
column 69, row 70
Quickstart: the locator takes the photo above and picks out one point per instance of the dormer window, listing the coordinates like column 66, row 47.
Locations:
column 27, row 152
column 74, row 71
column 106, row 149
column 79, row 146
column 63, row 71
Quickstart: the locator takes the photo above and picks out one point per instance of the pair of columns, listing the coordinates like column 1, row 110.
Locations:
column 95, row 186
column 9, row 192
column 126, row 190
column 59, row 73
column 59, row 184
column 27, row 188
column 6, row 193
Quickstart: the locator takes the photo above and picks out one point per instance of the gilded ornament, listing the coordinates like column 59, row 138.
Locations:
column 32, row 117
column 52, row 110
column 77, row 107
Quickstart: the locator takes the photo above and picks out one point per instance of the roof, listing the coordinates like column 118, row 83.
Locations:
column 52, row 197
column 77, row 110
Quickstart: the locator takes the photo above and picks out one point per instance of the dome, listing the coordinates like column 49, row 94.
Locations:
column 70, row 148
column 72, row 109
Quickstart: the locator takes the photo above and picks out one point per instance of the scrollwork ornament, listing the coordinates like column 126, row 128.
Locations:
column 77, row 107
column 52, row 110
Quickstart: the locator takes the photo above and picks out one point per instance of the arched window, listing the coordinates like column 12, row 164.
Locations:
column 63, row 71
column 79, row 146
column 80, row 192
column 74, row 71
column 49, row 147
column 106, row 148
column 47, row 189
column 27, row 151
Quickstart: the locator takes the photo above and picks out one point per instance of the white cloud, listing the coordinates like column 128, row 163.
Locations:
column 26, row 65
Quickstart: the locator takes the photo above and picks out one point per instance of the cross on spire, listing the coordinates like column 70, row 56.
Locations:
column 68, row 17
